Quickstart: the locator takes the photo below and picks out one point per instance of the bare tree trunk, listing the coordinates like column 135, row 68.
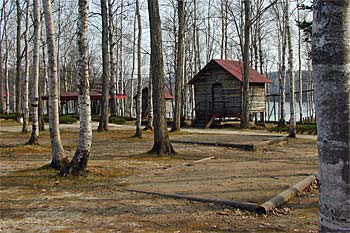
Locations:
column 44, row 90
column 179, row 67
column 331, row 73
column 103, row 125
column 162, row 144
column 2, row 89
column 149, row 125
column 300, row 76
column 58, row 54
column 58, row 159
column 222, row 47
column 196, row 37
column 2, row 83
column 245, row 112
column 18, row 63
column 282, row 78
column 138, row 132
column 292, row 122
column 34, row 138
column 131, row 100
column 26, row 75
column 79, row 162
column 14, row 91
column 113, row 90
column 4, row 60
column 207, row 42
column 121, row 60
column 7, row 88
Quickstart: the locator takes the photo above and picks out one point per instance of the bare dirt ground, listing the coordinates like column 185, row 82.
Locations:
column 34, row 199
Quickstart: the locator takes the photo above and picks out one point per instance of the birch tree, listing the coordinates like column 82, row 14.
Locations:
column 79, row 162
column 111, row 31
column 26, row 75
column 162, row 144
column 331, row 74
column 58, row 159
column 292, row 122
column 34, row 138
column 300, row 76
column 2, row 59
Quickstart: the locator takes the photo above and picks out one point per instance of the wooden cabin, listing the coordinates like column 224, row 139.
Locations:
column 145, row 100
column 218, row 91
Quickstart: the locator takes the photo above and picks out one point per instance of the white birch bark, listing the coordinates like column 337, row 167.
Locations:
column 121, row 60
column 34, row 138
column 331, row 74
column 292, row 122
column 131, row 100
column 300, row 76
column 55, row 137
column 82, row 153
column 26, row 75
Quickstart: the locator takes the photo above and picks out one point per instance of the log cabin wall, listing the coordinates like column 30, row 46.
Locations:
column 216, row 91
column 257, row 97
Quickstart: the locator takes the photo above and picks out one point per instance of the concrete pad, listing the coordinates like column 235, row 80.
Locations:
column 245, row 142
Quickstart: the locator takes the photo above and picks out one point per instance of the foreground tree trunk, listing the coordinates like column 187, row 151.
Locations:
column 103, row 125
column 331, row 73
column 179, row 67
column 162, row 144
column 58, row 159
column 34, row 138
column 245, row 110
column 138, row 132
column 292, row 122
column 79, row 162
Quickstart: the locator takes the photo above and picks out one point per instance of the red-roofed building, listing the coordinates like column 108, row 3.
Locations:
column 145, row 101
column 69, row 101
column 218, row 91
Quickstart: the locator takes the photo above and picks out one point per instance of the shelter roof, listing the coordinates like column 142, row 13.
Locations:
column 94, row 95
column 235, row 68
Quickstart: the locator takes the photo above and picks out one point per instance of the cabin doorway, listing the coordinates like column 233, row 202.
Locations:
column 217, row 98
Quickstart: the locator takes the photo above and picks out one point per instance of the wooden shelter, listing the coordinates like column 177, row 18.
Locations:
column 218, row 91
column 145, row 100
column 69, row 101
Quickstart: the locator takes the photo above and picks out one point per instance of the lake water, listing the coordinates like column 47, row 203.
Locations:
column 270, row 112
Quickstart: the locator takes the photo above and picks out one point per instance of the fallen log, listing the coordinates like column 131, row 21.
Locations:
column 240, row 205
column 285, row 195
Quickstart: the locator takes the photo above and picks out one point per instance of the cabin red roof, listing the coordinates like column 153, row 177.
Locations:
column 94, row 95
column 235, row 68
column 168, row 96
